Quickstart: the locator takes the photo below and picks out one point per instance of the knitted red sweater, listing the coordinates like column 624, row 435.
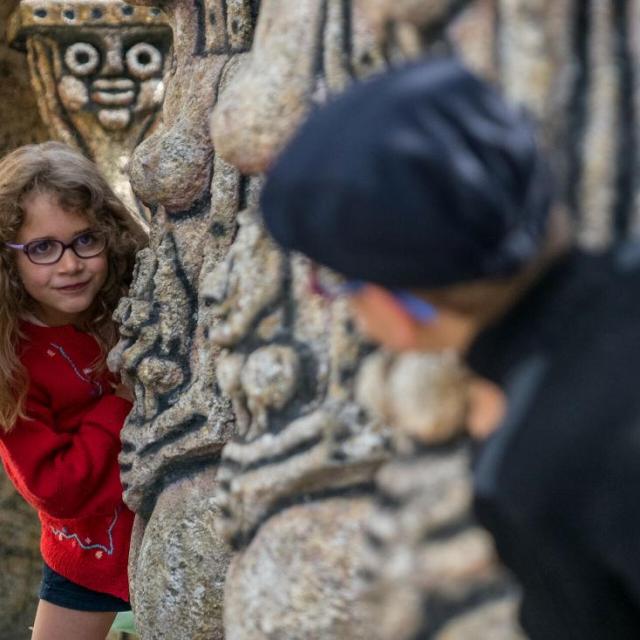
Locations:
column 63, row 460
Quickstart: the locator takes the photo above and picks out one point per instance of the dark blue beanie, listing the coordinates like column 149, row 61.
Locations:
column 422, row 177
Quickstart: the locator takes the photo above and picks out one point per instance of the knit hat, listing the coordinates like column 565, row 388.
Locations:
column 422, row 177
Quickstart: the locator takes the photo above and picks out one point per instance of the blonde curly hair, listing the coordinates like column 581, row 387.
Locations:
column 76, row 183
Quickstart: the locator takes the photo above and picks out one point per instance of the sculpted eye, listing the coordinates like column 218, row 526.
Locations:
column 144, row 60
column 82, row 58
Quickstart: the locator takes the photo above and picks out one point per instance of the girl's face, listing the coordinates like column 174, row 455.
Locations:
column 65, row 290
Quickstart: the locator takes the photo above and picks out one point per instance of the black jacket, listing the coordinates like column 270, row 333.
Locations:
column 558, row 484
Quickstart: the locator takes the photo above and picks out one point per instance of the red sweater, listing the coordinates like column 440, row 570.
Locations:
column 64, row 459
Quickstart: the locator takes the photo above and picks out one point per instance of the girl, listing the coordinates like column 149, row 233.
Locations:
column 67, row 248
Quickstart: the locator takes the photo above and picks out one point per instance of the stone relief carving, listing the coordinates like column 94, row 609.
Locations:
column 97, row 67
column 266, row 361
column 432, row 571
column 295, row 482
column 282, row 489
column 181, row 420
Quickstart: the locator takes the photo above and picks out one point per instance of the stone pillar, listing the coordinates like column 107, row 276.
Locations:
column 246, row 430
column 181, row 420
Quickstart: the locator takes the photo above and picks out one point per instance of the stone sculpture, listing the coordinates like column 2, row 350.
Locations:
column 278, row 485
column 97, row 67
column 432, row 571
column 172, row 440
column 224, row 344
column 295, row 482
column 295, row 485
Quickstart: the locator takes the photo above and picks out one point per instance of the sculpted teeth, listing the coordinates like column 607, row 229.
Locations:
column 120, row 84
column 122, row 98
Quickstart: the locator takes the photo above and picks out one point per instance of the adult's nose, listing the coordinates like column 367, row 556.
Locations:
column 113, row 60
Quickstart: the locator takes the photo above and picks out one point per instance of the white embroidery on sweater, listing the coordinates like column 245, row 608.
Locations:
column 64, row 534
column 97, row 387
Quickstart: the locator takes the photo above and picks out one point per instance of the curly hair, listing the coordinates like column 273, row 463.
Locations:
column 75, row 182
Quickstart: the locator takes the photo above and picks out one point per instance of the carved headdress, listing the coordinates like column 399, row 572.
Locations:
column 33, row 15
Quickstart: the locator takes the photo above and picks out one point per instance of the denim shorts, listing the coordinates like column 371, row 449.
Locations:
column 57, row 590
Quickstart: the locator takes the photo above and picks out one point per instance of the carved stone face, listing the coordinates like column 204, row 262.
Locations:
column 105, row 58
column 113, row 73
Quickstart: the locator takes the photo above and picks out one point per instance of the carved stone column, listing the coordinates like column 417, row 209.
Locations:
column 296, row 483
column 223, row 340
column 173, row 437
column 97, row 68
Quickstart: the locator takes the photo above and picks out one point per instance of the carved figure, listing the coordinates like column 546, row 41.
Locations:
column 97, row 67
column 181, row 420
column 295, row 482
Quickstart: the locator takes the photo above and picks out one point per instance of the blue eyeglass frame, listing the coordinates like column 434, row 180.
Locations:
column 416, row 307
column 419, row 309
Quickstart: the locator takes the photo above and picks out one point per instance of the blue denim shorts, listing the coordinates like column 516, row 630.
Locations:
column 57, row 590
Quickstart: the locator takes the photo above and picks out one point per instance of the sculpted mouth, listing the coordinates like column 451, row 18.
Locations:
column 113, row 92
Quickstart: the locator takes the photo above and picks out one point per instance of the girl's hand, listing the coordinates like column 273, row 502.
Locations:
column 122, row 391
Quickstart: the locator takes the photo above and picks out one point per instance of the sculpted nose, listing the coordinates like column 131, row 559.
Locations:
column 113, row 61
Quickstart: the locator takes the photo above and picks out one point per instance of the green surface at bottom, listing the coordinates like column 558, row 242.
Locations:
column 124, row 623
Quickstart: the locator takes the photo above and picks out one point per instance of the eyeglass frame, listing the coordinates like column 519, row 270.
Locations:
column 417, row 308
column 25, row 248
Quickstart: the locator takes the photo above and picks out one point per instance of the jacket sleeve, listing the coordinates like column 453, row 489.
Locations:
column 612, row 520
column 68, row 474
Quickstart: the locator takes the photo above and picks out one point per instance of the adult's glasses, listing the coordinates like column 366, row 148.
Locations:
column 329, row 285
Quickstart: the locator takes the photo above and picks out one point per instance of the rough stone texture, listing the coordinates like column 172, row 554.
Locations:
column 97, row 67
column 423, row 395
column 178, row 538
column 21, row 122
column 241, row 323
column 288, row 567
column 575, row 67
column 303, row 52
column 428, row 563
column 181, row 420
column 304, row 454
column 183, row 294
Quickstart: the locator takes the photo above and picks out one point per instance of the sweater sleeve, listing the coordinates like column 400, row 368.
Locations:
column 67, row 474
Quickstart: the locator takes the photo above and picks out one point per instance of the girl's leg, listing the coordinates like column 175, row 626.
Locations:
column 57, row 623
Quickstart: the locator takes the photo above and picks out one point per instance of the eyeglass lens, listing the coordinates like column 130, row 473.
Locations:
column 49, row 251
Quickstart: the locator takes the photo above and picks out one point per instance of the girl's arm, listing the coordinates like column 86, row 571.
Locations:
column 68, row 474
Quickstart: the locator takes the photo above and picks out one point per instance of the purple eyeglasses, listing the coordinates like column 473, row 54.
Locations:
column 47, row 251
